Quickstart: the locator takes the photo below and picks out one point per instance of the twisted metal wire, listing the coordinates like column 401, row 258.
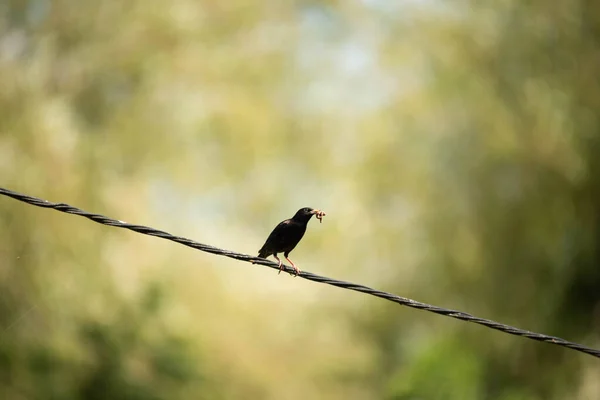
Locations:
column 463, row 316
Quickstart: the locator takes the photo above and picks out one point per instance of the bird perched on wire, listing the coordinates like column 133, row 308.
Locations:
column 287, row 234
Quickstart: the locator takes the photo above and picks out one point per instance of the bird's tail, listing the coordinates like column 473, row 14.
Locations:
column 262, row 253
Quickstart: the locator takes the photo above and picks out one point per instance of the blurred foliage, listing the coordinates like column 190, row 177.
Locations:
column 454, row 146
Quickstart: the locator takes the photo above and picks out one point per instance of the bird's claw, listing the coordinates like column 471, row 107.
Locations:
column 295, row 273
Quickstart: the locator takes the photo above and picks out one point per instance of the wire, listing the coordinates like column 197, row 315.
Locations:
column 463, row 316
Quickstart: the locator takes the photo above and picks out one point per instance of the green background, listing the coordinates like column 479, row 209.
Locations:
column 455, row 146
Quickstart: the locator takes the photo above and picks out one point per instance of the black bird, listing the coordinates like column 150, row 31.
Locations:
column 287, row 234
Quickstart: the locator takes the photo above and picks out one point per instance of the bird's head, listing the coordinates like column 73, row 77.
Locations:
column 305, row 214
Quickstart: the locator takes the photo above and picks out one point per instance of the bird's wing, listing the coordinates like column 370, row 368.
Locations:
column 275, row 239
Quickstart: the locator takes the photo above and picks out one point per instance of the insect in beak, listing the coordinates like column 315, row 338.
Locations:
column 319, row 214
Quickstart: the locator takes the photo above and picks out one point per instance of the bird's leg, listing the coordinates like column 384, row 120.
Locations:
column 293, row 265
column 280, row 263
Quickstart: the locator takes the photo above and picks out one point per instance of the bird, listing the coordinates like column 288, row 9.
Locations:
column 287, row 234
